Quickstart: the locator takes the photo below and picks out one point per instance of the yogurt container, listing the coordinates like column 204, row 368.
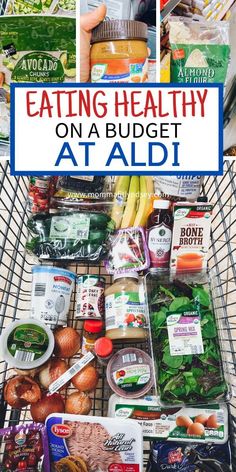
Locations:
column 26, row 344
column 51, row 292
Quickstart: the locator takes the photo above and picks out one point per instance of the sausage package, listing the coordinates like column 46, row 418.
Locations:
column 94, row 444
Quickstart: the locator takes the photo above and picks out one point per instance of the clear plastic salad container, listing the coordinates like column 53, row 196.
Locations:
column 186, row 337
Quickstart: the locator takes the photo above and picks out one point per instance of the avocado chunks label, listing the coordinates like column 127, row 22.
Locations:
column 44, row 49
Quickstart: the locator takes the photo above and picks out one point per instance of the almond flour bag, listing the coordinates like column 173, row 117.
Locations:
column 200, row 50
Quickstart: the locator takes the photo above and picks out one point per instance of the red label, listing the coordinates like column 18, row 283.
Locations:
column 175, row 456
column 61, row 430
column 178, row 54
column 61, row 278
column 124, row 468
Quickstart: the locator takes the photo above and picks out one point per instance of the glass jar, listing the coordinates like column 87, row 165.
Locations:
column 125, row 311
column 92, row 330
column 119, row 52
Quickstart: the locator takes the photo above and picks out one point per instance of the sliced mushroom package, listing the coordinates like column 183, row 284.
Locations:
column 185, row 339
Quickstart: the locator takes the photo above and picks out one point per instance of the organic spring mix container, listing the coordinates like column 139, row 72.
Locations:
column 119, row 52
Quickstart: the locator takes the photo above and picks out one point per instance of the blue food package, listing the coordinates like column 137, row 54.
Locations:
column 185, row 457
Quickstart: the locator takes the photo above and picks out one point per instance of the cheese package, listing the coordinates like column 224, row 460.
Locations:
column 94, row 444
column 191, row 236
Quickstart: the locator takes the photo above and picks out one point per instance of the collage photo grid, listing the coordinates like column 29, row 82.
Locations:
column 118, row 293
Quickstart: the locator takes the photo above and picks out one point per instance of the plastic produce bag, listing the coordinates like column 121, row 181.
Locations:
column 200, row 50
column 25, row 447
column 128, row 252
column 81, row 236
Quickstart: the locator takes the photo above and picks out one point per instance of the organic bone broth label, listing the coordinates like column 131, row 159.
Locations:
column 191, row 236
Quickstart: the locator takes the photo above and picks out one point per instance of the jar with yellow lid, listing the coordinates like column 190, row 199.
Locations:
column 119, row 52
column 125, row 311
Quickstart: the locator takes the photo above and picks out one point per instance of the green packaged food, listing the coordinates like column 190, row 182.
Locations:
column 200, row 50
column 37, row 49
column 76, row 235
column 185, row 340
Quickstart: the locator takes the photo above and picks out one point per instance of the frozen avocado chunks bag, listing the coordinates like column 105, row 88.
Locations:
column 37, row 49
column 200, row 51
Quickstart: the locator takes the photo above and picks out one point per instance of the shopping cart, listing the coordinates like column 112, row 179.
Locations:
column 15, row 284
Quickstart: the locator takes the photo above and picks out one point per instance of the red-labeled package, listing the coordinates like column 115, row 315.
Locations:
column 24, row 447
column 129, row 251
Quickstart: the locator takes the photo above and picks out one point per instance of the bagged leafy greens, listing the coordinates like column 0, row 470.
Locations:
column 185, row 339
column 75, row 235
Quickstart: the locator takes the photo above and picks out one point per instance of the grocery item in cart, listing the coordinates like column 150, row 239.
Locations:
column 178, row 188
column 200, row 50
column 125, row 308
column 128, row 251
column 189, row 458
column 51, row 293
column 39, row 193
column 24, row 447
column 185, row 340
column 97, row 443
column 103, row 349
column 92, row 330
column 191, row 236
column 129, row 373
column 27, row 343
column 90, row 297
column 84, row 186
column 207, row 423
column 159, row 233
column 81, row 236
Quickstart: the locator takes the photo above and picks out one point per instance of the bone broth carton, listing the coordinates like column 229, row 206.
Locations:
column 191, row 236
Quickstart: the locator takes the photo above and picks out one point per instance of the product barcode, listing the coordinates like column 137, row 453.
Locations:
column 74, row 369
column 24, row 356
column 129, row 358
column 40, row 290
column 196, row 350
column 111, row 321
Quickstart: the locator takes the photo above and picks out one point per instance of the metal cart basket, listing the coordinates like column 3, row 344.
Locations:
column 15, row 277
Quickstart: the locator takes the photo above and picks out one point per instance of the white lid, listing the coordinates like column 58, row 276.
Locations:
column 132, row 275
column 26, row 363
column 163, row 204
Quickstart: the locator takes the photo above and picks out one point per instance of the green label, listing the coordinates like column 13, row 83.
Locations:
column 36, row 5
column 199, row 424
column 27, row 342
column 74, row 226
column 38, row 67
column 132, row 378
column 199, row 63
column 124, row 309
